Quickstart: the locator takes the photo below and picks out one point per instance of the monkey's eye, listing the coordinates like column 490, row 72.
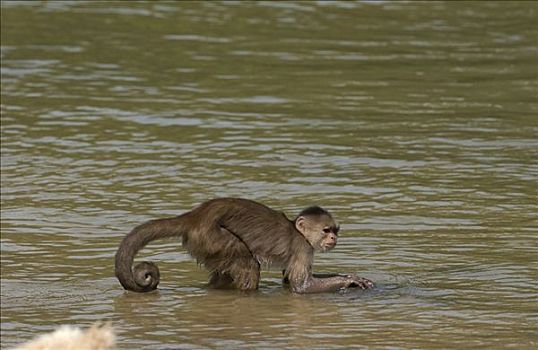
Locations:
column 327, row 230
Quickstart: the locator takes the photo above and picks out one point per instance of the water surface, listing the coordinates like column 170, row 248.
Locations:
column 414, row 123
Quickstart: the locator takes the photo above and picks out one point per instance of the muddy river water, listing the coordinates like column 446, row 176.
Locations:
column 415, row 123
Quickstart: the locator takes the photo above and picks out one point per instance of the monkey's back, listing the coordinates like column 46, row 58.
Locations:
column 237, row 226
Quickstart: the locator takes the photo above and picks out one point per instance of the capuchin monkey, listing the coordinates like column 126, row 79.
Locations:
column 233, row 238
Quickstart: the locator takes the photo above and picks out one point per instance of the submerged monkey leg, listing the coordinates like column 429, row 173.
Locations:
column 220, row 280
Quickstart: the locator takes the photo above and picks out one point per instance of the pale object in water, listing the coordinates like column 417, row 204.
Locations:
column 97, row 337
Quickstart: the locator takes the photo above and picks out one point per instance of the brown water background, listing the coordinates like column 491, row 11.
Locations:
column 415, row 123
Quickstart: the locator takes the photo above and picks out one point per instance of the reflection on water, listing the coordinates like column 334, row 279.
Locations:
column 414, row 123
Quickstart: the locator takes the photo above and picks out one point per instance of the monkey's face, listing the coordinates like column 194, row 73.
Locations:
column 329, row 237
column 321, row 232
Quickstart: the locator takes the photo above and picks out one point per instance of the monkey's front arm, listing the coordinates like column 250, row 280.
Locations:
column 319, row 283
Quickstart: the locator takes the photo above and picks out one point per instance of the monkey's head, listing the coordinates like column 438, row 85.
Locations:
column 318, row 227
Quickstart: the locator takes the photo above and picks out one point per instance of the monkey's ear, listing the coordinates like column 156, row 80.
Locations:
column 300, row 224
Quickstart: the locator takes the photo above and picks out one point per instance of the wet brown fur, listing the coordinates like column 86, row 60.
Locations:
column 232, row 238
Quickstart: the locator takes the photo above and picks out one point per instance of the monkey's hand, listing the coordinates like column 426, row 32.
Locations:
column 359, row 282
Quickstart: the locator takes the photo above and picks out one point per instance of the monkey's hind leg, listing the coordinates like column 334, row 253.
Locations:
column 246, row 273
column 233, row 264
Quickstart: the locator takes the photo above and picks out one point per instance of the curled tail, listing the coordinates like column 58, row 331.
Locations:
column 144, row 277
